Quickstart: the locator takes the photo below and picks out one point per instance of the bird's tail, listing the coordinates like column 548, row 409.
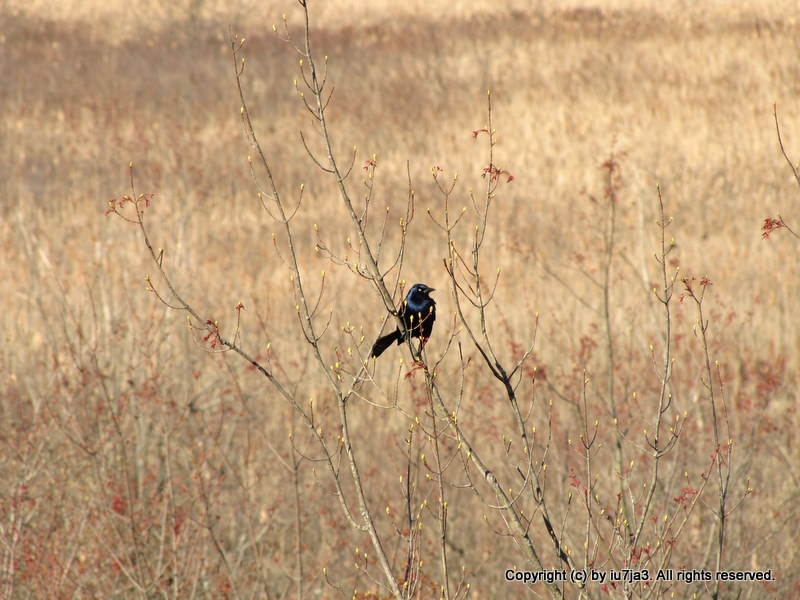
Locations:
column 384, row 342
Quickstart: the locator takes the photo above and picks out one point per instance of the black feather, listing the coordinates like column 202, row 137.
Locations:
column 418, row 313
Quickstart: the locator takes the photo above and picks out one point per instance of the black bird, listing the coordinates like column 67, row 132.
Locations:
column 418, row 313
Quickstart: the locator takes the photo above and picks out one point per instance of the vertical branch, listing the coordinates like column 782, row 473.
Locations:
column 792, row 166
column 469, row 289
column 298, row 526
column 442, row 516
column 316, row 85
column 771, row 224
column 657, row 446
column 612, row 184
column 317, row 107
column 723, row 448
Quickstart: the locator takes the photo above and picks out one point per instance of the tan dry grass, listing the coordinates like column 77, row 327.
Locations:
column 685, row 92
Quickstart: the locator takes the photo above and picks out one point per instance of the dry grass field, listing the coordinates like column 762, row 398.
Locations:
column 138, row 461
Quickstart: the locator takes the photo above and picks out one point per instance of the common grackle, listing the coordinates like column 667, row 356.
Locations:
column 418, row 313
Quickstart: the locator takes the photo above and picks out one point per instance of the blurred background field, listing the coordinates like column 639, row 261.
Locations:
column 683, row 93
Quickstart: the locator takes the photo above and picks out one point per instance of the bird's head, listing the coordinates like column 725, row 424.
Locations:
column 419, row 294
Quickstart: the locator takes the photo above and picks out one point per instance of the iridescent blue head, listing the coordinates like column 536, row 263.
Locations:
column 418, row 298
